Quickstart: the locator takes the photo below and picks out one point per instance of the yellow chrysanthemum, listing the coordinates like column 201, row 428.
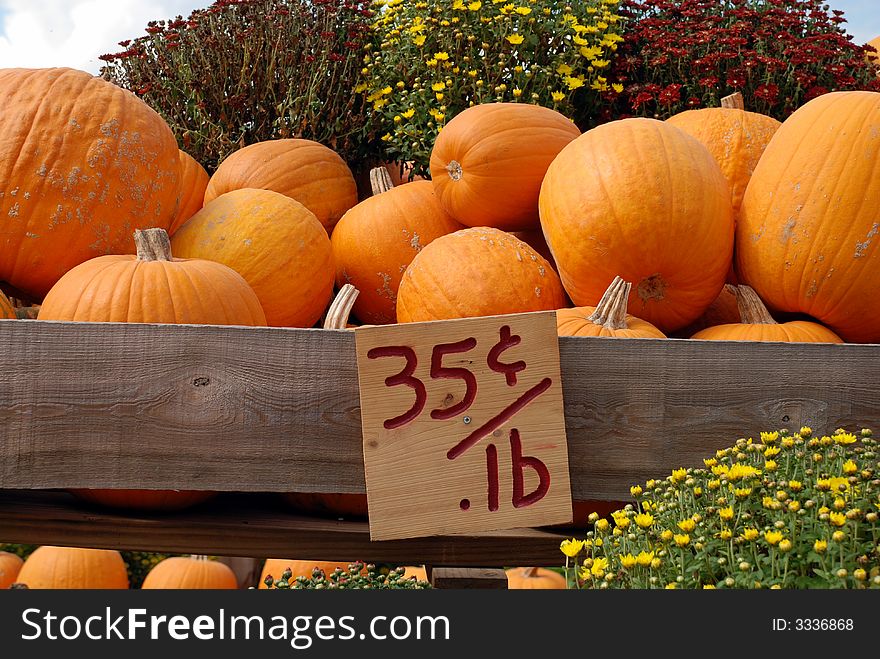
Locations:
column 845, row 438
column 750, row 534
column 571, row 548
column 740, row 471
column 565, row 69
column 407, row 114
column 475, row 6
column 617, row 87
column 773, row 537
column 726, row 513
column 573, row 83
column 515, row 39
column 850, row 467
column 679, row 475
column 438, row 86
column 523, row 11
column 742, row 492
column 769, row 437
column 419, row 40
column 644, row 520
column 770, row 451
column 682, row 540
column 837, row 519
column 687, row 525
column 627, row 561
column 442, row 56
column 599, row 566
column 820, row 546
column 644, row 559
column 558, row 96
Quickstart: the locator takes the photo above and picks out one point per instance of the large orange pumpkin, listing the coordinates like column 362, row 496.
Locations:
column 477, row 272
column 188, row 573
column 10, row 565
column 644, row 200
column 609, row 318
column 275, row 567
column 82, row 164
column 534, row 578
column 757, row 324
column 375, row 241
column 301, row 169
column 193, row 182
column 808, row 238
column 152, row 287
column 74, row 568
column 488, row 162
column 271, row 240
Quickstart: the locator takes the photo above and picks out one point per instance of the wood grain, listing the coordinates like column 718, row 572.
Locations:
column 268, row 409
column 254, row 525
column 471, row 578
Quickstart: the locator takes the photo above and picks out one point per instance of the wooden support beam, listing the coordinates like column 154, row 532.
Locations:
column 471, row 578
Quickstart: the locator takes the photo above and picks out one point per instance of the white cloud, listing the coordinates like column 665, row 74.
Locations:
column 73, row 33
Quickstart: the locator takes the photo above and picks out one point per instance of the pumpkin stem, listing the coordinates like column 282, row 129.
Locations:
column 530, row 572
column 152, row 245
column 380, row 180
column 751, row 310
column 340, row 308
column 454, row 169
column 611, row 310
column 734, row 102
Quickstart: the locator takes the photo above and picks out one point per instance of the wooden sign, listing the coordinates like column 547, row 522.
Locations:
column 463, row 426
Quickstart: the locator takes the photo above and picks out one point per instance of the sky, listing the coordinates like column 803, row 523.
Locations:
column 74, row 33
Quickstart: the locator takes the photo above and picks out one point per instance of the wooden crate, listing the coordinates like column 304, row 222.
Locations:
column 265, row 410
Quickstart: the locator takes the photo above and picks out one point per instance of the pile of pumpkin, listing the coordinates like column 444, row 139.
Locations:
column 637, row 228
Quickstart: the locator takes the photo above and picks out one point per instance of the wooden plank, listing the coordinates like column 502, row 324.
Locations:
column 260, row 409
column 255, row 525
column 463, row 425
column 471, row 578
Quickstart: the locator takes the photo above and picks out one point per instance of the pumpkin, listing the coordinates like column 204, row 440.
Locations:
column 193, row 182
column 401, row 173
column 875, row 56
column 608, row 318
column 82, row 164
column 275, row 567
column 375, row 241
column 74, row 568
column 758, row 325
column 808, row 238
column 477, row 272
column 7, row 310
column 10, row 565
column 723, row 311
column 152, row 287
column 188, row 573
column 418, row 572
column 488, row 162
column 534, row 578
column 274, row 242
column 301, row 169
column 644, row 200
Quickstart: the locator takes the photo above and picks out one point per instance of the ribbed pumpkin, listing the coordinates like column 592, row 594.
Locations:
column 6, row 308
column 190, row 573
column 375, row 241
column 488, row 162
column 644, row 200
column 609, row 318
column 193, row 182
column 301, row 169
column 534, row 578
column 271, row 240
column 82, row 164
column 74, row 568
column 808, row 238
column 735, row 137
column 758, row 325
column 152, row 287
column 477, row 272
column 300, row 568
column 10, row 565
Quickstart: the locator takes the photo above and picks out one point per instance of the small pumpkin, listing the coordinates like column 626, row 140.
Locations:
column 271, row 240
column 301, row 169
column 477, row 272
column 190, row 573
column 275, row 567
column 74, row 568
column 10, row 565
column 758, row 325
column 644, row 200
column 488, row 162
column 609, row 318
column 534, row 578
column 375, row 241
column 193, row 182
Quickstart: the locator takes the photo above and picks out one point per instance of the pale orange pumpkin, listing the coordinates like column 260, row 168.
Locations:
column 488, row 162
column 534, row 578
column 477, row 272
column 757, row 324
column 375, row 241
column 193, row 182
column 190, row 573
column 152, row 287
column 609, row 318
column 74, row 568
column 301, row 169
column 644, row 200
column 82, row 164
column 271, row 240
column 808, row 237
column 10, row 565
column 275, row 567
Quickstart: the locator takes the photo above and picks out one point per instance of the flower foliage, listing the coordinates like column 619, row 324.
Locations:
column 357, row 576
column 243, row 71
column 791, row 510
column 684, row 54
column 434, row 58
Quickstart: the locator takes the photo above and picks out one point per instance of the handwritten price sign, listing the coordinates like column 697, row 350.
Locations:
column 463, row 425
